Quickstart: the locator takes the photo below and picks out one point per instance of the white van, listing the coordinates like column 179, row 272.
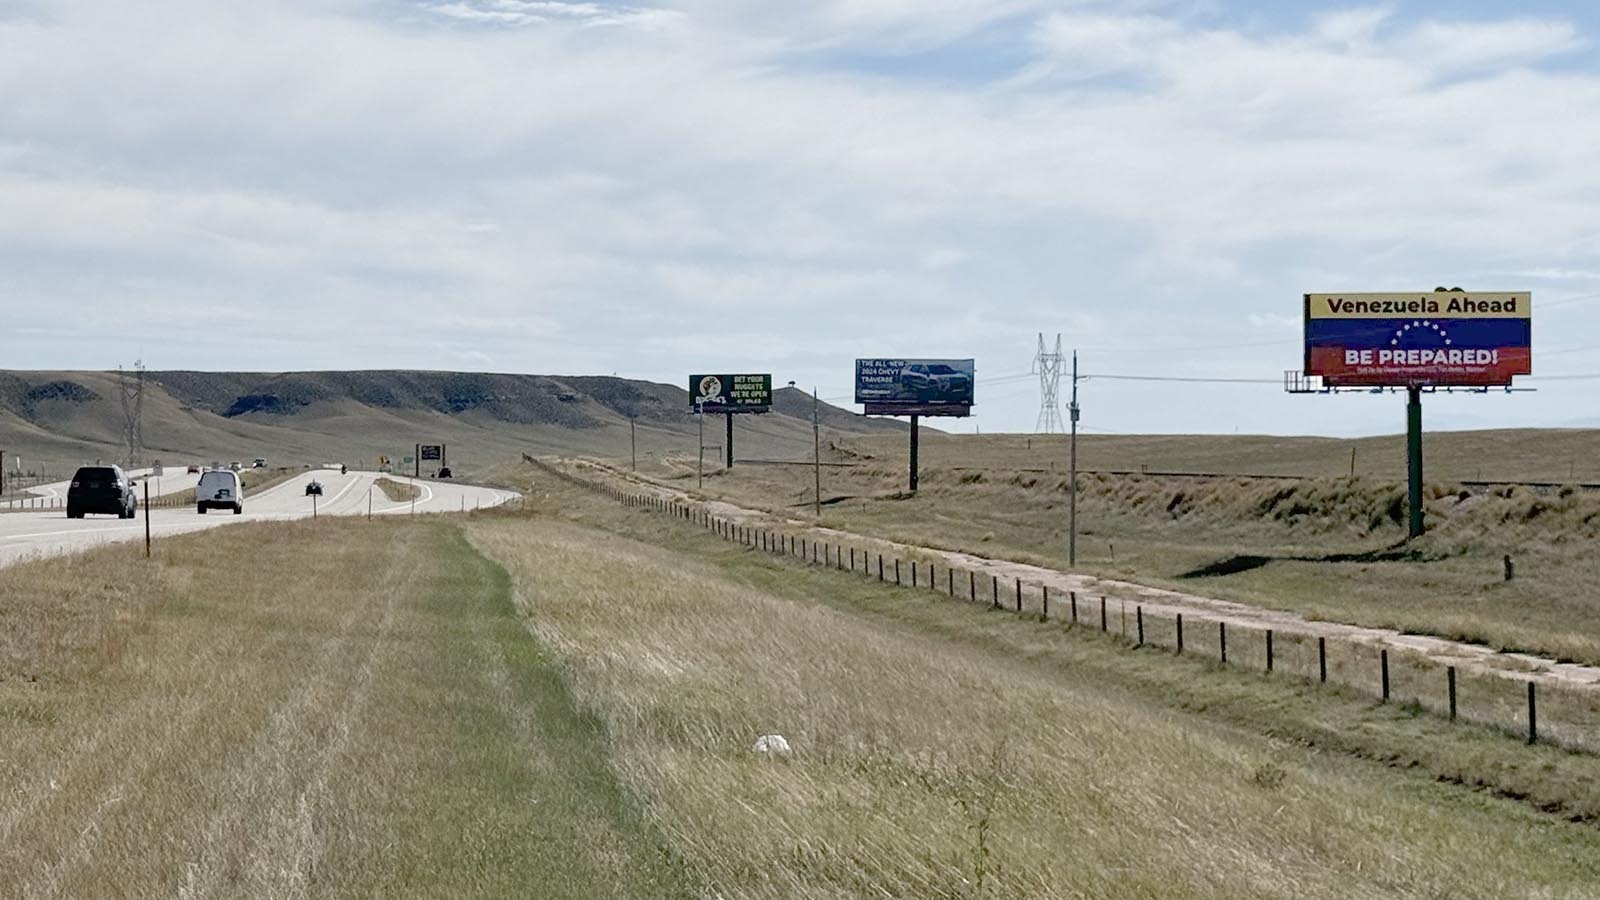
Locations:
column 219, row 489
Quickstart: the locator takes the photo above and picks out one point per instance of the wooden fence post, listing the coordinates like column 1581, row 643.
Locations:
column 1102, row 612
column 1180, row 632
column 1222, row 641
column 1044, row 606
column 1322, row 660
column 1138, row 618
column 1269, row 649
column 1019, row 595
column 994, row 591
column 880, row 566
column 972, row 585
column 1450, row 686
column 1073, row 597
column 897, row 571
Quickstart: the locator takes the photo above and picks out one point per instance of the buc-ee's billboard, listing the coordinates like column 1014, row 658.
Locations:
column 1442, row 338
column 731, row 393
column 902, row 387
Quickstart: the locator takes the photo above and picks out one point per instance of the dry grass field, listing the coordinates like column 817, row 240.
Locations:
column 317, row 709
column 942, row 751
column 562, row 701
column 398, row 491
column 1559, row 455
column 1327, row 547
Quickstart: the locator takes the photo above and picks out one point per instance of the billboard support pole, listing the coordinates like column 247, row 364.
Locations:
column 730, row 439
column 914, row 429
column 816, row 446
column 700, row 466
column 1414, row 457
column 633, row 443
column 416, row 462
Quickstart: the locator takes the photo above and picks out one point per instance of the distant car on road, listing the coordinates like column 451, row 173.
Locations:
column 258, row 463
column 194, row 470
column 444, row 471
column 314, row 487
column 101, row 489
column 235, row 465
column 219, row 489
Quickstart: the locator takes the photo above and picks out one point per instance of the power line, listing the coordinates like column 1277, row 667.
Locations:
column 1179, row 378
column 1577, row 299
column 1281, row 342
column 1583, row 376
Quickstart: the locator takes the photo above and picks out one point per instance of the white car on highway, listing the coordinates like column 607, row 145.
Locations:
column 219, row 489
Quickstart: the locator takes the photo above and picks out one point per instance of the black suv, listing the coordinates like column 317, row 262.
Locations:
column 101, row 489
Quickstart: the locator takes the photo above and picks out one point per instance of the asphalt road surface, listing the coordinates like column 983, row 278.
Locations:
column 172, row 480
column 29, row 534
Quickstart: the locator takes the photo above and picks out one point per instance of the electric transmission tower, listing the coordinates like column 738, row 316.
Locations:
column 131, row 388
column 1048, row 367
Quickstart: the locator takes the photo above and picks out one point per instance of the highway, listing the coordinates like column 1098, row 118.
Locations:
column 172, row 480
column 25, row 535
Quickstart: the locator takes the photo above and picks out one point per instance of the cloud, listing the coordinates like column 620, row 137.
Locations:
column 1077, row 45
column 518, row 13
column 697, row 167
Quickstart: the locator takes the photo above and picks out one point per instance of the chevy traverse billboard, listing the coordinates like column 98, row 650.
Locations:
column 904, row 387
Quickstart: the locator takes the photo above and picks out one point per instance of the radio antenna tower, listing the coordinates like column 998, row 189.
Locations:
column 131, row 388
column 1048, row 367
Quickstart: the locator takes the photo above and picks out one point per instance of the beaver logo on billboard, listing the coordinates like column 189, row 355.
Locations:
column 1443, row 338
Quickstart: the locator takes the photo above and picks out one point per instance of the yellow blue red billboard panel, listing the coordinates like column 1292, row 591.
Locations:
column 1429, row 338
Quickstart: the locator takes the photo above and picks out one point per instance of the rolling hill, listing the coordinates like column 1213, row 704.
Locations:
column 60, row 419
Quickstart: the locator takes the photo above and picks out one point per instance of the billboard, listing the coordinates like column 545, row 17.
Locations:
column 903, row 387
column 427, row 452
column 731, row 393
column 1437, row 338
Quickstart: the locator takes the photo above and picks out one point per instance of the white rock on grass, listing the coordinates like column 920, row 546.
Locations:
column 774, row 744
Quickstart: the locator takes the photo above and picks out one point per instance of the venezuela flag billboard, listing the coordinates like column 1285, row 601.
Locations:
column 1437, row 338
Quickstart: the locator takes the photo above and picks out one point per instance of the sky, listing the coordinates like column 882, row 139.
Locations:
column 653, row 189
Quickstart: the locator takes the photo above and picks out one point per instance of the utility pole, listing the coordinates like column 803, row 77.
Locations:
column 633, row 443
column 700, row 467
column 816, row 446
column 1072, row 484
